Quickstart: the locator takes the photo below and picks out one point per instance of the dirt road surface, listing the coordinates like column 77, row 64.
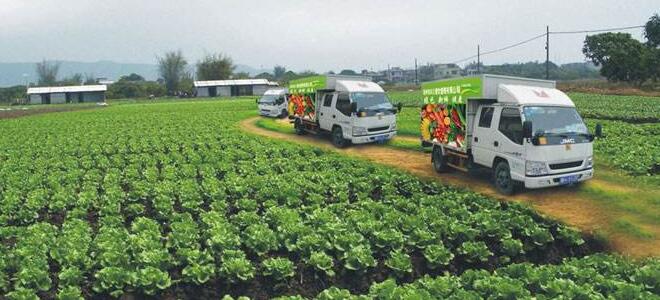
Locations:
column 562, row 203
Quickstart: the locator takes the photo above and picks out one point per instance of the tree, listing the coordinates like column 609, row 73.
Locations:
column 90, row 79
column 172, row 68
column 131, row 77
column 265, row 75
column 74, row 79
column 652, row 31
column 347, row 72
column 622, row 58
column 241, row 75
column 215, row 67
column 47, row 72
column 279, row 72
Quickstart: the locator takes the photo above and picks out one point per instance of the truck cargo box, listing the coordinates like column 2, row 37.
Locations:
column 303, row 93
column 450, row 106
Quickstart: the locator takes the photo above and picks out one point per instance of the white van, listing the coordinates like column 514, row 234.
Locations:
column 273, row 103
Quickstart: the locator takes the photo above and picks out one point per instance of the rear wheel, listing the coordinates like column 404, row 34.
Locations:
column 298, row 126
column 439, row 161
column 503, row 181
column 338, row 137
column 284, row 114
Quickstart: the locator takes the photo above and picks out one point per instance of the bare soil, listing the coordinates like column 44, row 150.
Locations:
column 14, row 113
column 564, row 204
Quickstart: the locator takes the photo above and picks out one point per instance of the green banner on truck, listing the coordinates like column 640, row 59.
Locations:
column 452, row 91
column 307, row 85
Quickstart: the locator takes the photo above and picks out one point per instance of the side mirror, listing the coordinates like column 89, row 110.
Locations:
column 399, row 107
column 527, row 129
column 256, row 100
column 353, row 107
column 599, row 130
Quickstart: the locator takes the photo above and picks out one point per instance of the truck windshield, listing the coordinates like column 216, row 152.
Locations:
column 371, row 101
column 548, row 120
column 268, row 99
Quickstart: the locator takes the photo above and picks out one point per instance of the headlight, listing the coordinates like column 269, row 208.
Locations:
column 393, row 126
column 359, row 131
column 535, row 168
column 590, row 161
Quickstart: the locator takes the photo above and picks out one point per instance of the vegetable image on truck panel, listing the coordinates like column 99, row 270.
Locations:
column 303, row 95
column 443, row 116
column 302, row 106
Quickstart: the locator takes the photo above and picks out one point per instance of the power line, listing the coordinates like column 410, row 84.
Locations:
column 542, row 35
column 597, row 30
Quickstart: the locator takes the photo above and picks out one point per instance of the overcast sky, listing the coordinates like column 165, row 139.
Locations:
column 318, row 35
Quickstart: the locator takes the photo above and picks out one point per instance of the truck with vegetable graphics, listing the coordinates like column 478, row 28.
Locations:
column 527, row 132
column 353, row 109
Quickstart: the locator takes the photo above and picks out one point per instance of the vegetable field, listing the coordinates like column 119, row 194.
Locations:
column 171, row 200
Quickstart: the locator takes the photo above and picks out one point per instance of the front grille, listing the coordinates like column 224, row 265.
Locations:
column 378, row 128
column 573, row 164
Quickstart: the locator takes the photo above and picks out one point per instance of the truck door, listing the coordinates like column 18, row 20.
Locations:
column 509, row 141
column 326, row 111
column 342, row 114
column 482, row 137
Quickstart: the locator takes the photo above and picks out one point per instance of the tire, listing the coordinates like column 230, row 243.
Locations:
column 439, row 161
column 502, row 178
column 338, row 137
column 284, row 114
column 298, row 126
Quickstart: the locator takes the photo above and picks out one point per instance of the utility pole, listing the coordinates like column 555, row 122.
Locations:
column 478, row 60
column 547, row 52
column 416, row 81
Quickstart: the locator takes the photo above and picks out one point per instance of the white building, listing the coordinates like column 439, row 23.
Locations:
column 67, row 94
column 232, row 88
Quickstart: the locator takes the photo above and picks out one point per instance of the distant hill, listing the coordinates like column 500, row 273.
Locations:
column 12, row 73
column 570, row 71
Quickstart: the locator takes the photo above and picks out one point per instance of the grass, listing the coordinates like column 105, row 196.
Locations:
column 630, row 229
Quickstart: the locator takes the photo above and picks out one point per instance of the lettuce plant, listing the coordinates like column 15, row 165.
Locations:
column 278, row 268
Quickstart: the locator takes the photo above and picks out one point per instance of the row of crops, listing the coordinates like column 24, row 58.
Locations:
column 630, row 124
column 172, row 200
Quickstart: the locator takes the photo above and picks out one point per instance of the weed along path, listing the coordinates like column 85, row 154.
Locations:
column 628, row 231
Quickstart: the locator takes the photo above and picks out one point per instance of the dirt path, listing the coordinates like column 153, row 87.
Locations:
column 564, row 204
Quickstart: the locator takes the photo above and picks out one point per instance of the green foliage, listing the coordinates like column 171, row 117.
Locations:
column 172, row 69
column 148, row 203
column 278, row 268
column 622, row 58
column 215, row 67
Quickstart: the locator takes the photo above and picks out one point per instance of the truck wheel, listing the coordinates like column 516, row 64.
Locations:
column 502, row 177
column 338, row 137
column 298, row 126
column 284, row 114
column 439, row 161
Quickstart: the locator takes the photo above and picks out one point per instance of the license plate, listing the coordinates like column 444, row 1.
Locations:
column 568, row 179
column 380, row 138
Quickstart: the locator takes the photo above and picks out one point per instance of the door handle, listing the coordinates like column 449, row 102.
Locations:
column 476, row 139
column 496, row 143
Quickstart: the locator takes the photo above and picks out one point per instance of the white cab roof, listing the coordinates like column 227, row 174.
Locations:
column 67, row 89
column 358, row 86
column 277, row 91
column 524, row 95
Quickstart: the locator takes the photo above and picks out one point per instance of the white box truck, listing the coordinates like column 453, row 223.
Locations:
column 525, row 130
column 274, row 103
column 353, row 109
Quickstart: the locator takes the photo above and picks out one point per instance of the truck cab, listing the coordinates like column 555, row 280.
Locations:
column 273, row 103
column 534, row 137
column 359, row 112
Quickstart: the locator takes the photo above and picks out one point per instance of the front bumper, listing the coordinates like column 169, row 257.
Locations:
column 553, row 180
column 378, row 137
column 268, row 113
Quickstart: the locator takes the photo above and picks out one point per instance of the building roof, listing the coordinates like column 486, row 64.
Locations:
column 67, row 89
column 234, row 82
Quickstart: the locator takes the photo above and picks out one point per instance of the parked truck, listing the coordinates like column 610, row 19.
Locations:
column 353, row 109
column 274, row 103
column 525, row 130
